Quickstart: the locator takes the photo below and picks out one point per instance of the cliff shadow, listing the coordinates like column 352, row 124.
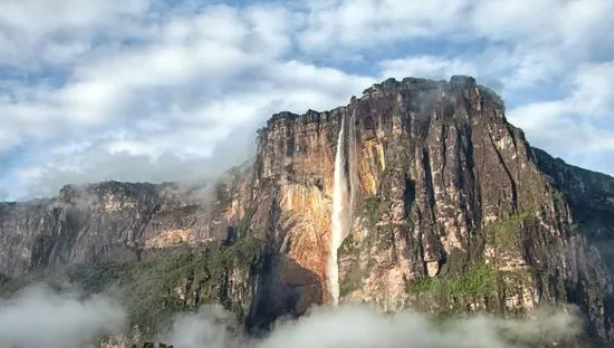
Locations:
column 285, row 289
column 4, row 278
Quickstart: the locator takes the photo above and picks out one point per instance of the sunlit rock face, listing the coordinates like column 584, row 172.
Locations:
column 453, row 211
column 109, row 221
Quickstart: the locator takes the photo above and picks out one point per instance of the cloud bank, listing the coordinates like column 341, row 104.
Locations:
column 153, row 90
column 41, row 318
column 354, row 326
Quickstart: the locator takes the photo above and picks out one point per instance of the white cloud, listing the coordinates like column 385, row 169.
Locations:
column 428, row 67
column 572, row 124
column 100, row 83
column 544, row 39
column 362, row 326
column 37, row 32
column 594, row 95
column 193, row 142
column 368, row 23
column 571, row 24
column 41, row 318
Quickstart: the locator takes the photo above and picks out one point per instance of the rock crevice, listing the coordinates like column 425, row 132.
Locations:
column 453, row 211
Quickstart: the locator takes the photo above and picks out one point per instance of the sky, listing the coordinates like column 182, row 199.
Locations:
column 173, row 90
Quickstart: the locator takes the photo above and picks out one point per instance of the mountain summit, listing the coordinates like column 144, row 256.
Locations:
column 448, row 210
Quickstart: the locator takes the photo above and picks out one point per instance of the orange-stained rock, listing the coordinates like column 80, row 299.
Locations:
column 453, row 210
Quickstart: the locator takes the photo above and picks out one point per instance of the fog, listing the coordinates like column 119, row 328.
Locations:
column 98, row 165
column 361, row 326
column 39, row 317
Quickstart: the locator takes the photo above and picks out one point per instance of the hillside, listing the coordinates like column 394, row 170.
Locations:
column 442, row 205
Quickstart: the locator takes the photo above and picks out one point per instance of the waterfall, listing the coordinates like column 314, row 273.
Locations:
column 353, row 173
column 342, row 206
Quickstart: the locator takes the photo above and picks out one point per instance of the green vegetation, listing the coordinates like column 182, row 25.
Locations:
column 559, row 196
column 152, row 292
column 179, row 278
column 239, row 255
column 346, row 287
column 438, row 228
column 147, row 290
column 150, row 289
column 349, row 246
column 505, row 233
column 374, row 208
column 384, row 235
column 479, row 281
column 352, row 282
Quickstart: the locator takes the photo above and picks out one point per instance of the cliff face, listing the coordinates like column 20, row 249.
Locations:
column 590, row 196
column 451, row 211
column 113, row 221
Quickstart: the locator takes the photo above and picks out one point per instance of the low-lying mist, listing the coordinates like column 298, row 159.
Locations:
column 38, row 317
column 362, row 326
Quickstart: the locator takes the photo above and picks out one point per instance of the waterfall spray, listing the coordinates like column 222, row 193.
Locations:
column 343, row 198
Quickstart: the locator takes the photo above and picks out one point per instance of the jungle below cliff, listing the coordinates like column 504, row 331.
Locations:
column 449, row 211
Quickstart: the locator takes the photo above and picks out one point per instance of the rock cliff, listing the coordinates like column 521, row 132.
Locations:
column 451, row 211
column 114, row 221
column 94, row 223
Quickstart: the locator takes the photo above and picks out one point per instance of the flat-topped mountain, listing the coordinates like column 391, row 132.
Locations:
column 418, row 194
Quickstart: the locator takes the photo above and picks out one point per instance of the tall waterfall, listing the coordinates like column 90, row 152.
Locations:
column 342, row 206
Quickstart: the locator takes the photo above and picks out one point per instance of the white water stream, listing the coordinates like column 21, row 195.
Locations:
column 342, row 207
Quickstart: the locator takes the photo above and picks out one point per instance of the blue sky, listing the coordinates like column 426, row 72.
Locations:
column 153, row 90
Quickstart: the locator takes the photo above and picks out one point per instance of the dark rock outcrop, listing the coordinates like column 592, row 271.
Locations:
column 151, row 345
column 454, row 211
column 110, row 221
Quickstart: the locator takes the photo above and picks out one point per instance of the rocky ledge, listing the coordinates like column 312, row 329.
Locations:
column 452, row 211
